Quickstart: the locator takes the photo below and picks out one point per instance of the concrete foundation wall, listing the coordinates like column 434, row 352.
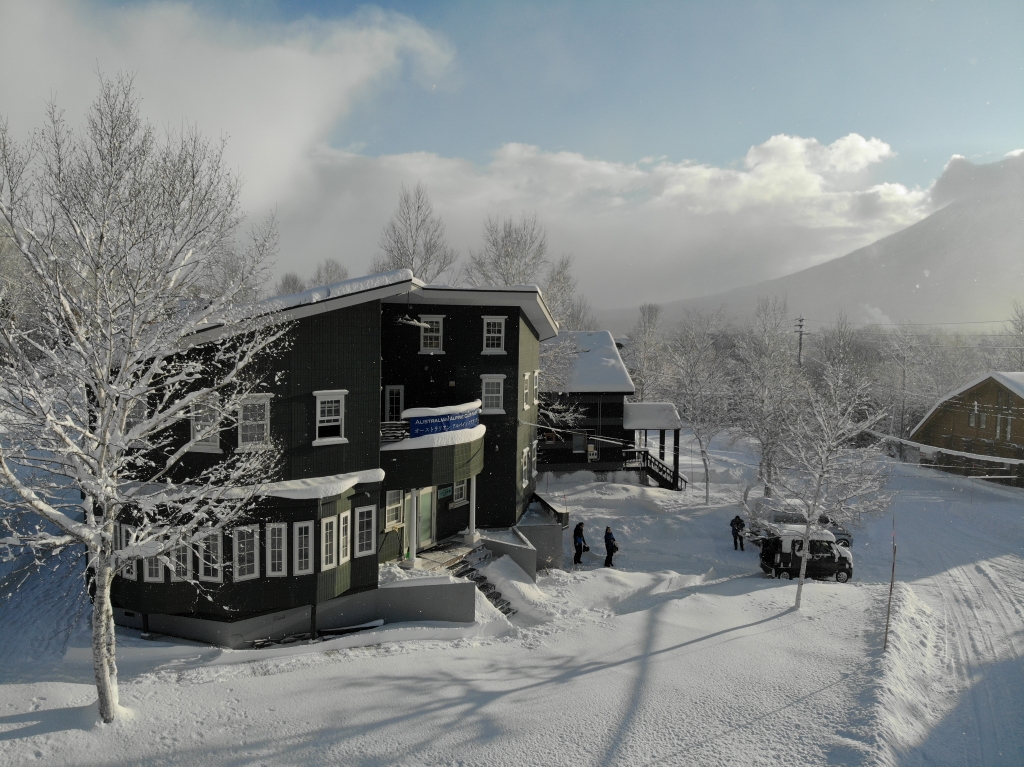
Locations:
column 523, row 553
column 547, row 540
column 446, row 602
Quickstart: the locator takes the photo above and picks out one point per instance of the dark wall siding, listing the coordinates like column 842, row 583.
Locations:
column 603, row 414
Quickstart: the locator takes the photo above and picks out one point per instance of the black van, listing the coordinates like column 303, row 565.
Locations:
column 781, row 558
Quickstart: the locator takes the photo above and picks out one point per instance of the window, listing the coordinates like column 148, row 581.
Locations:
column 210, row 558
column 431, row 336
column 344, row 537
column 526, row 466
column 972, row 419
column 526, row 391
column 459, row 493
column 393, row 509
column 366, row 539
column 328, row 543
column 394, row 402
column 153, row 570
column 254, row 422
column 136, row 414
column 181, row 562
column 984, row 418
column 277, row 548
column 205, row 434
column 128, row 569
column 492, row 386
column 303, row 557
column 247, row 553
column 533, row 457
column 330, row 417
column 536, row 385
column 579, row 442
column 494, row 335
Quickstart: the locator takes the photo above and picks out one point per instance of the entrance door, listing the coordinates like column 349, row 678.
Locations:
column 426, row 517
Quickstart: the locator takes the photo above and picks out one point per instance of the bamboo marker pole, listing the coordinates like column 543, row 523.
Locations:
column 892, row 581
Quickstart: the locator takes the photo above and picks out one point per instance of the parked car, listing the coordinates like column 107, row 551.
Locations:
column 771, row 516
column 781, row 556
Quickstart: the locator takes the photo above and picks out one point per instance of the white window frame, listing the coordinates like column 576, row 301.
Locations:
column 500, row 349
column 401, row 401
column 254, row 399
column 147, row 564
column 536, row 387
column 983, row 420
column 389, row 504
column 124, row 535
column 282, row 528
column 344, row 537
column 211, row 442
column 328, row 543
column 236, row 562
column 490, row 377
column 172, row 555
column 218, row 576
column 372, row 548
column 296, row 527
column 326, row 395
column 460, row 498
column 439, row 318
column 533, row 459
column 526, row 391
column 526, row 466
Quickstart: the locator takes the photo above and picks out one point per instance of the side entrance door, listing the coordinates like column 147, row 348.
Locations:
column 426, row 517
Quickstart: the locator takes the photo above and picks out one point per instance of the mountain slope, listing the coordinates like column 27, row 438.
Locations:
column 965, row 262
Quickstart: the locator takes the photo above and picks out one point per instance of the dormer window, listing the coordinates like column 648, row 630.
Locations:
column 432, row 334
column 330, row 417
column 494, row 335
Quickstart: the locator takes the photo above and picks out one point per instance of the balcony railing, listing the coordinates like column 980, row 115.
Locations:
column 394, row 431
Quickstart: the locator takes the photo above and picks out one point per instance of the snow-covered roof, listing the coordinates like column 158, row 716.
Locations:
column 598, row 367
column 317, row 487
column 1014, row 381
column 441, row 439
column 527, row 297
column 426, row 412
column 650, row 416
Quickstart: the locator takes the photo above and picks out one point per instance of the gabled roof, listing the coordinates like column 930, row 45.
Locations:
column 651, row 416
column 598, row 367
column 1013, row 381
column 527, row 297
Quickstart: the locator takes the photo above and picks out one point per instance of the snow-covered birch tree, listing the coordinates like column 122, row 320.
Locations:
column 644, row 354
column 697, row 375
column 765, row 383
column 819, row 463
column 122, row 233
column 415, row 239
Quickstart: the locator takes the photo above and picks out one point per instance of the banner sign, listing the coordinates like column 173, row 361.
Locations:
column 436, row 424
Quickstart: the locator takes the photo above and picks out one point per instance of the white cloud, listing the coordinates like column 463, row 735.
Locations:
column 651, row 230
column 645, row 231
column 277, row 90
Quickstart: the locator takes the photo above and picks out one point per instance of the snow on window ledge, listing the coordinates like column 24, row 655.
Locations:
column 330, row 441
column 494, row 351
column 204, row 449
column 492, row 411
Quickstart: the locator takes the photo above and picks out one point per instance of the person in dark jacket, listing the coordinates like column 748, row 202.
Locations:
column 578, row 541
column 737, row 526
column 610, row 547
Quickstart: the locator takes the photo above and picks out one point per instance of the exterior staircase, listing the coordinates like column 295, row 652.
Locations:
column 464, row 561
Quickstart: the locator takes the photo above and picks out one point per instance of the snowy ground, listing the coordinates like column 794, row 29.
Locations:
column 683, row 654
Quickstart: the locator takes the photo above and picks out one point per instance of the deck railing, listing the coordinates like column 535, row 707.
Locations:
column 394, row 431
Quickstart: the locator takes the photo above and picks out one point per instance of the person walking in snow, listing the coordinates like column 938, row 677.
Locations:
column 737, row 526
column 610, row 547
column 580, row 543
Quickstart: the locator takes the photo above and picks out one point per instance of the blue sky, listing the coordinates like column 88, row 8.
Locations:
column 718, row 143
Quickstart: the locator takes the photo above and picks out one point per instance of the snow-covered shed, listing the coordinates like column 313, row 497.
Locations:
column 641, row 418
column 597, row 384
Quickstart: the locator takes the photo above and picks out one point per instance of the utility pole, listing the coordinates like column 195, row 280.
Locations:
column 800, row 343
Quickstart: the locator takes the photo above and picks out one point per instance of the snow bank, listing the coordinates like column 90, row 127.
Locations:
column 519, row 589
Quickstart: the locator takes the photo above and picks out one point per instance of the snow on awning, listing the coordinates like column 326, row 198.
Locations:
column 651, row 416
column 320, row 487
column 441, row 439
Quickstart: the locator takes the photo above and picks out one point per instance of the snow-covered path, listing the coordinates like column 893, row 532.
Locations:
column 683, row 655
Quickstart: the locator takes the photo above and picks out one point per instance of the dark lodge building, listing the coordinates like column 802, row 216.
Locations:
column 597, row 388
column 406, row 414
